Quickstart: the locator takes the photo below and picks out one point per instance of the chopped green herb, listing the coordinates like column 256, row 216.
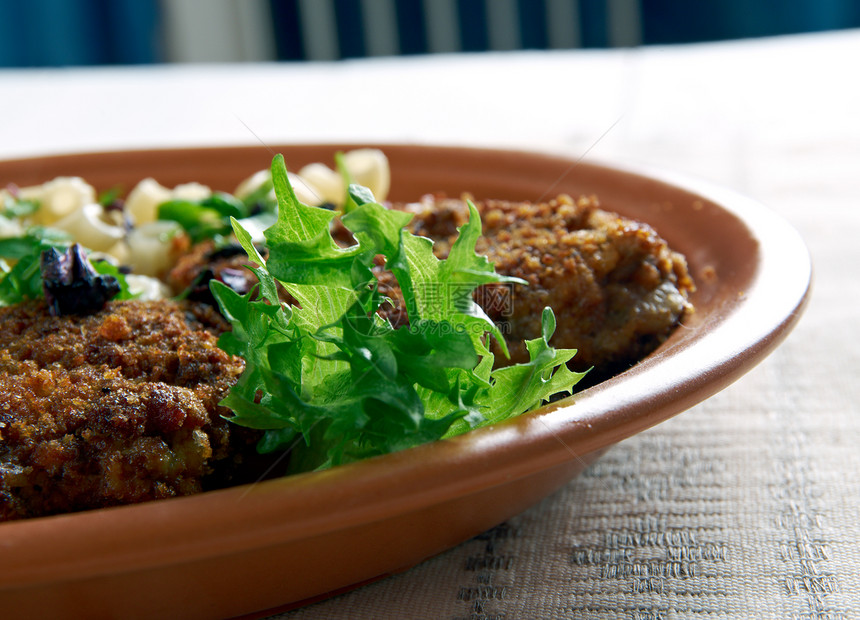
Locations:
column 110, row 196
column 23, row 280
column 260, row 199
column 348, row 204
column 104, row 268
column 13, row 207
column 208, row 218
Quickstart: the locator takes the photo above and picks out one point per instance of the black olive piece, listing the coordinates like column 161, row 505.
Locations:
column 199, row 289
column 71, row 285
column 117, row 205
column 236, row 279
column 227, row 251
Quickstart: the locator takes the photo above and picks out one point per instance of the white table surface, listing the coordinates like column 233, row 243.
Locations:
column 778, row 119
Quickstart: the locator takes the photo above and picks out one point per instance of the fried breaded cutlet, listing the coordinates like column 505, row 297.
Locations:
column 615, row 286
column 114, row 408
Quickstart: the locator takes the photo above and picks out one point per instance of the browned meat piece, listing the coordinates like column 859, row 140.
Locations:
column 113, row 408
column 617, row 289
column 615, row 286
column 204, row 262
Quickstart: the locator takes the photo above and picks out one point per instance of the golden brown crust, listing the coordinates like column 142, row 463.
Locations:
column 616, row 287
column 113, row 408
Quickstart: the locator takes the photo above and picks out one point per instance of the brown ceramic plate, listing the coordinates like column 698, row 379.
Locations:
column 253, row 548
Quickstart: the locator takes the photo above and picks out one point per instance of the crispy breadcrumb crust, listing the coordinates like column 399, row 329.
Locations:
column 616, row 287
column 114, row 408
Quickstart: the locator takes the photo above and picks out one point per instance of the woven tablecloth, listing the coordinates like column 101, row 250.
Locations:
column 744, row 506
column 748, row 505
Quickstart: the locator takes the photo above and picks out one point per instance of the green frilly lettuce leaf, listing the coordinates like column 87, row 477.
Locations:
column 329, row 379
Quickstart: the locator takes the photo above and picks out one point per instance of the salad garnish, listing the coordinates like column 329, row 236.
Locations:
column 45, row 263
column 71, row 285
column 332, row 381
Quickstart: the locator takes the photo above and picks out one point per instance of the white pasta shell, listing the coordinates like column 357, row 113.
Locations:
column 10, row 228
column 147, row 288
column 149, row 247
column 142, row 202
column 88, row 227
column 327, row 184
column 118, row 253
column 256, row 226
column 191, row 192
column 369, row 167
column 306, row 192
column 33, row 192
column 252, row 184
column 59, row 198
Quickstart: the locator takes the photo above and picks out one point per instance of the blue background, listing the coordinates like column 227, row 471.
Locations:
column 35, row 33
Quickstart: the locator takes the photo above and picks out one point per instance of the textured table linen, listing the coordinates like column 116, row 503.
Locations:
column 744, row 506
